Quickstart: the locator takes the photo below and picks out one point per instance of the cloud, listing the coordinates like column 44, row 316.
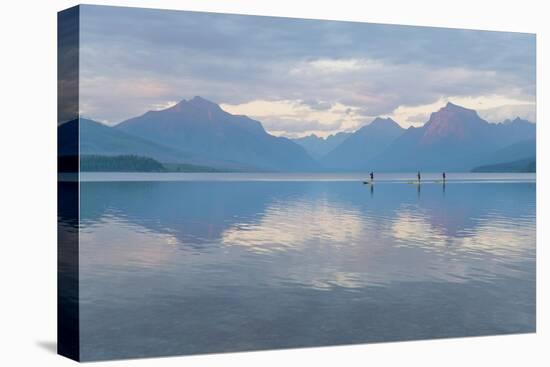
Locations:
column 493, row 108
column 526, row 111
column 298, row 118
column 417, row 119
column 334, row 66
column 318, row 105
column 301, row 126
column 133, row 60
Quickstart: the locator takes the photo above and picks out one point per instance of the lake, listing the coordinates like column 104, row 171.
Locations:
column 185, row 263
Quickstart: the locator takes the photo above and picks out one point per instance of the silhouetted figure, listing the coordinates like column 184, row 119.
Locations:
column 444, row 176
column 371, row 176
column 418, row 176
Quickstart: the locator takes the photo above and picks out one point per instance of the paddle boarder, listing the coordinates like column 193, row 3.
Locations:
column 371, row 174
column 418, row 176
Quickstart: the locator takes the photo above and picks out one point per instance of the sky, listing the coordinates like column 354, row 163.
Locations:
column 298, row 76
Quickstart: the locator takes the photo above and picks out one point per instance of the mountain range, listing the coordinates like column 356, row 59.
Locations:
column 454, row 139
column 360, row 148
column 219, row 138
column 318, row 147
column 199, row 132
column 97, row 138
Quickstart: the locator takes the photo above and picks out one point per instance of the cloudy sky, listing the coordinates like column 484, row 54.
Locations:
column 298, row 76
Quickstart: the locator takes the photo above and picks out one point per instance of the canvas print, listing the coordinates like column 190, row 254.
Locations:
column 234, row 183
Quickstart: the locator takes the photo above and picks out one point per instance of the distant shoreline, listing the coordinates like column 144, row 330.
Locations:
column 359, row 178
column 142, row 164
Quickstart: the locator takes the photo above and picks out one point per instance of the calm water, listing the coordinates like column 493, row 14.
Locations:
column 204, row 263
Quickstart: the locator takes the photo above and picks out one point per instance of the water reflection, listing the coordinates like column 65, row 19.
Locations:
column 315, row 263
column 295, row 225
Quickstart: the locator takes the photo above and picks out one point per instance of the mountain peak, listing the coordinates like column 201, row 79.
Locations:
column 452, row 120
column 380, row 124
column 199, row 101
column 381, row 121
column 453, row 110
column 451, row 107
column 519, row 120
column 196, row 102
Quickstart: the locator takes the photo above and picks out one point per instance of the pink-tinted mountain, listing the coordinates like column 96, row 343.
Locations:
column 198, row 132
column 454, row 139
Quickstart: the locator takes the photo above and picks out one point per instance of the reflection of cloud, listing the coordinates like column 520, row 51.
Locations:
column 292, row 225
column 492, row 235
column 115, row 242
column 500, row 237
column 322, row 278
column 342, row 247
column 411, row 225
column 321, row 243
